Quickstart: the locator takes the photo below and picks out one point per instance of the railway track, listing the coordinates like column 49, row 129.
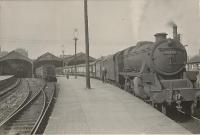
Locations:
column 7, row 85
column 191, row 123
column 50, row 93
column 8, row 90
column 28, row 118
column 11, row 101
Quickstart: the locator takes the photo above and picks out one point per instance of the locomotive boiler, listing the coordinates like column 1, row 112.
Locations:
column 155, row 72
column 166, row 57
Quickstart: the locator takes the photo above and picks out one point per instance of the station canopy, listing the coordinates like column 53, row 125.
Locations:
column 13, row 55
column 79, row 59
column 195, row 59
column 48, row 58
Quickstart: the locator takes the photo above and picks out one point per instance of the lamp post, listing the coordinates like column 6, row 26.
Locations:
column 63, row 62
column 32, row 68
column 187, row 65
column 75, row 42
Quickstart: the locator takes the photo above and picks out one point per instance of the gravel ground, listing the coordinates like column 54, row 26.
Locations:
column 10, row 103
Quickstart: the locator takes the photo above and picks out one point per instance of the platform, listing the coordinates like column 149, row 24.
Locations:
column 4, row 77
column 104, row 109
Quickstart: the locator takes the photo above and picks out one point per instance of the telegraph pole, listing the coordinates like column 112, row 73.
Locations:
column 75, row 43
column 87, row 45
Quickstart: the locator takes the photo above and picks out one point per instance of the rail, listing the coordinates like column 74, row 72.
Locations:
column 41, row 114
column 23, row 102
column 23, row 106
column 189, row 122
column 6, row 82
column 8, row 89
column 38, row 127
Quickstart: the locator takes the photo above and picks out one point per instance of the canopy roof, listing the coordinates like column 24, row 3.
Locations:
column 13, row 55
column 80, row 59
column 195, row 59
column 48, row 57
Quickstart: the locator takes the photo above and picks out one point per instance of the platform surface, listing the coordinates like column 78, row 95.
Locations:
column 4, row 77
column 104, row 109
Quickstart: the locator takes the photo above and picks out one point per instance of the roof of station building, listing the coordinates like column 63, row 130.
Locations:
column 13, row 55
column 194, row 59
column 48, row 57
column 80, row 59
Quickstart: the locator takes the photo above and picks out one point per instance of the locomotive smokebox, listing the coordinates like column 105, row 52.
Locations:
column 160, row 37
column 174, row 31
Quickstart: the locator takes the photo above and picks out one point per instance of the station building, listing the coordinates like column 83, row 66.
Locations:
column 47, row 58
column 194, row 63
column 16, row 64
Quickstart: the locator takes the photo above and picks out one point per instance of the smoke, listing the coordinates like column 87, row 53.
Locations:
column 160, row 15
column 137, row 12
column 199, row 8
column 171, row 23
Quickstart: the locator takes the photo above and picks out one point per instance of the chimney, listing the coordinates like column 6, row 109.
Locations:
column 174, row 31
column 160, row 36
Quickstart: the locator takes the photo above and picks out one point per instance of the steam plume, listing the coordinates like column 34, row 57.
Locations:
column 171, row 24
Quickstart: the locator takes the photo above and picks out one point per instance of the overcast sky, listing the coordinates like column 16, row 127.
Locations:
column 41, row 26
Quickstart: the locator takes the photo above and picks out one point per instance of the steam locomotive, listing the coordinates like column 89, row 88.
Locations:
column 46, row 72
column 153, row 71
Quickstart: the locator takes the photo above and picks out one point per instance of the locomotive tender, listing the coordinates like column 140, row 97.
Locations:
column 153, row 71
